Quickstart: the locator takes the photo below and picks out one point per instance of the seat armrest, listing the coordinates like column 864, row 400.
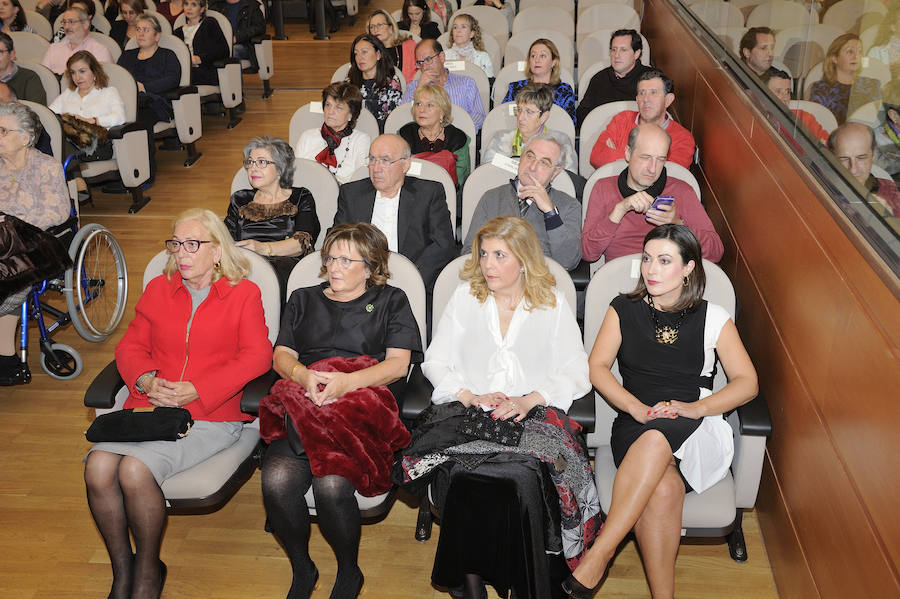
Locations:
column 226, row 61
column 119, row 131
column 581, row 275
column 260, row 38
column 102, row 391
column 416, row 395
column 583, row 411
column 255, row 390
column 754, row 417
column 174, row 94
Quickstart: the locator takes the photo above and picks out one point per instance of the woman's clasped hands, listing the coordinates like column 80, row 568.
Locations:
column 669, row 409
column 335, row 384
column 170, row 394
column 503, row 407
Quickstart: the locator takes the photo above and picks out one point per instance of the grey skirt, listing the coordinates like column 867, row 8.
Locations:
column 167, row 458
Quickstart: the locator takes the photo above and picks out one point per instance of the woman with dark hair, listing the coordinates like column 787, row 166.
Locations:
column 12, row 17
column 338, row 144
column 372, row 71
column 842, row 90
column 274, row 219
column 431, row 136
column 205, row 40
column 669, row 436
column 124, row 29
column 343, row 352
column 507, row 348
column 542, row 66
column 198, row 336
column 417, row 20
column 400, row 48
column 171, row 10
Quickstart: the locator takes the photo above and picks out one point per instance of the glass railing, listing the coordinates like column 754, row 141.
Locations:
column 819, row 68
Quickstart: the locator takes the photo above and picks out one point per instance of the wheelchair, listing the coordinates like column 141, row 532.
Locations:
column 95, row 290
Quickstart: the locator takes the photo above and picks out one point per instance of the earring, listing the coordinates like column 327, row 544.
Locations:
column 217, row 266
column 685, row 281
column 522, row 270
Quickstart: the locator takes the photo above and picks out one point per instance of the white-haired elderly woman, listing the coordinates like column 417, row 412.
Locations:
column 32, row 188
column 198, row 336
column 273, row 218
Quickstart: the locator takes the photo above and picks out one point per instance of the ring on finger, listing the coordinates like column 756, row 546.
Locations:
column 667, row 403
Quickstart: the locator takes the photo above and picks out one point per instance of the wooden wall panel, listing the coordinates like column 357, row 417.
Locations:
column 821, row 326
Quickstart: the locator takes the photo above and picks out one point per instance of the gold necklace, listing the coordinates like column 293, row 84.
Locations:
column 664, row 334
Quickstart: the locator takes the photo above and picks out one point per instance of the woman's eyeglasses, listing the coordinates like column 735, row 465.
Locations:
column 342, row 261
column 261, row 163
column 191, row 246
column 4, row 131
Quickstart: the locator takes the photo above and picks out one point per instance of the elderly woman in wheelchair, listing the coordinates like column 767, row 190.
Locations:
column 197, row 338
column 343, row 352
column 32, row 188
column 669, row 436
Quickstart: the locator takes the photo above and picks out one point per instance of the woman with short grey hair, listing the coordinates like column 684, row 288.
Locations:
column 32, row 188
column 273, row 218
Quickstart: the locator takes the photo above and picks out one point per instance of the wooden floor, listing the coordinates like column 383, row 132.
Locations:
column 49, row 545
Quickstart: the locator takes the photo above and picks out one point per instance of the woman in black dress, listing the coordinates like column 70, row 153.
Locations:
column 666, row 339
column 354, row 315
column 205, row 40
column 417, row 20
column 273, row 219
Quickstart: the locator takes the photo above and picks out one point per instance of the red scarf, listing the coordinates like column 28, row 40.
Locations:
column 332, row 141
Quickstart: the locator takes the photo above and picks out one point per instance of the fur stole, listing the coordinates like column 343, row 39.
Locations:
column 354, row 437
column 86, row 136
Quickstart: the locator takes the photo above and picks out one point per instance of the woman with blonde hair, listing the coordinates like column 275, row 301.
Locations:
column 400, row 47
column 506, row 344
column 542, row 66
column 842, row 90
column 465, row 33
column 431, row 136
column 198, row 336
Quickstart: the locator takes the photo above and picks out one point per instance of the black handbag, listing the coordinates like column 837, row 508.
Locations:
column 478, row 424
column 141, row 424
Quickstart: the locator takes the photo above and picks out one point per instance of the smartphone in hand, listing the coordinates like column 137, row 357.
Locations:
column 660, row 201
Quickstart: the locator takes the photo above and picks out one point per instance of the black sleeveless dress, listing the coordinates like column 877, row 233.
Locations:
column 655, row 372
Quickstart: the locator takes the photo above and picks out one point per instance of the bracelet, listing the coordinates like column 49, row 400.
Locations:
column 269, row 249
column 294, row 369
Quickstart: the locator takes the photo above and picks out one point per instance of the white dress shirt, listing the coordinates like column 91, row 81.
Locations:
column 350, row 155
column 542, row 351
column 104, row 104
column 384, row 216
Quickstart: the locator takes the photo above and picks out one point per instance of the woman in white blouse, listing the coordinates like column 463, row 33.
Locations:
column 507, row 341
column 467, row 43
column 338, row 145
column 87, row 95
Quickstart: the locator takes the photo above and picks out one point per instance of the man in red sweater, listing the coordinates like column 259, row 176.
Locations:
column 779, row 83
column 620, row 212
column 655, row 93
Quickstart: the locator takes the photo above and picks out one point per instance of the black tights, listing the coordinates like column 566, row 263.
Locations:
column 123, row 496
column 286, row 477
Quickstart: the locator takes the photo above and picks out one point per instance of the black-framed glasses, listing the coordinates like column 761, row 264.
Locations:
column 191, row 246
column 342, row 261
column 426, row 60
column 259, row 163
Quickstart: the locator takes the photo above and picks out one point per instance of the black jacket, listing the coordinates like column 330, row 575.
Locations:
column 250, row 20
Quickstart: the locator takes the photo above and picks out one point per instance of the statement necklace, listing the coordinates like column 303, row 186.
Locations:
column 667, row 335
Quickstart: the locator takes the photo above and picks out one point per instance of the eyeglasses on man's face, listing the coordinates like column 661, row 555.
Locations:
column 382, row 161
column 342, row 261
column 258, row 163
column 544, row 163
column 426, row 60
column 72, row 21
column 191, row 246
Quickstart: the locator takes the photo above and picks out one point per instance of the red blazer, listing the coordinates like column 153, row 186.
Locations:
column 227, row 345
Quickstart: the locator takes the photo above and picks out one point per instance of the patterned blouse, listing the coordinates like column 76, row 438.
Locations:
column 563, row 95
column 842, row 99
column 380, row 101
column 37, row 192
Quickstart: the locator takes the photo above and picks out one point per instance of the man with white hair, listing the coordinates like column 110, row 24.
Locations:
column 77, row 26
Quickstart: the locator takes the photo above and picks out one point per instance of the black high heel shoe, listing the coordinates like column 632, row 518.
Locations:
column 163, row 572
column 575, row 590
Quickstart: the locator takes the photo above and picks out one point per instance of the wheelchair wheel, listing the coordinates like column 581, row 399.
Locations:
column 97, row 285
column 64, row 363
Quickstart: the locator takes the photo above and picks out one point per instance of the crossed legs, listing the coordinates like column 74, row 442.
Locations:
column 123, row 496
column 647, row 495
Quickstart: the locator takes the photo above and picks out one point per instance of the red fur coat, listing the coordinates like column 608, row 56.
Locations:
column 354, row 437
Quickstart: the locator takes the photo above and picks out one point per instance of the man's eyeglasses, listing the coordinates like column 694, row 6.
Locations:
column 383, row 161
column 191, row 246
column 426, row 60
column 260, row 163
column 4, row 131
column 544, row 163
column 342, row 261
column 72, row 21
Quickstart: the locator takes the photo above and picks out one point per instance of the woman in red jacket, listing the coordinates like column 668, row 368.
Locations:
column 198, row 336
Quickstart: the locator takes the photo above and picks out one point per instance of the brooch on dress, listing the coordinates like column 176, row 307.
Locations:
column 369, row 307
